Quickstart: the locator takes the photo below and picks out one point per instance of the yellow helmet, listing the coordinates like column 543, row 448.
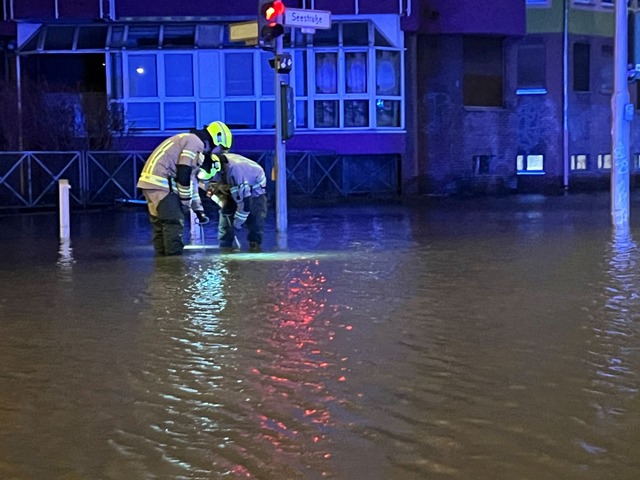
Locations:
column 220, row 134
column 207, row 171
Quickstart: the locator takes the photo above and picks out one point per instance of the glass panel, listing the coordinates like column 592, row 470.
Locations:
column 209, row 74
column 387, row 113
column 581, row 67
column 179, row 115
column 301, row 114
column 356, row 113
column 178, row 35
column 535, row 163
column 267, row 74
column 532, row 66
column 143, row 115
column 520, row 162
column 178, row 75
column 578, row 162
column 116, row 40
column 267, row 114
column 210, row 36
column 482, row 71
column 356, row 72
column 142, row 76
column 240, row 114
column 355, row 34
column 326, row 114
column 606, row 69
column 59, row 38
column 380, row 39
column 238, row 73
column 326, row 72
column 300, row 72
column 326, row 38
column 387, row 72
column 210, row 112
column 143, row 36
column 92, row 37
column 116, row 75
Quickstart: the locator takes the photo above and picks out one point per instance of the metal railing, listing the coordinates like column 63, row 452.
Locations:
column 98, row 178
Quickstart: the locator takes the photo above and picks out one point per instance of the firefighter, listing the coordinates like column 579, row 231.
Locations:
column 245, row 203
column 169, row 182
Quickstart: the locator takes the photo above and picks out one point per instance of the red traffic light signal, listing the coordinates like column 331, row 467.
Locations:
column 273, row 10
column 270, row 21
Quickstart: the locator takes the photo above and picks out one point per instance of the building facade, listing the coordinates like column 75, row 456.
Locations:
column 463, row 99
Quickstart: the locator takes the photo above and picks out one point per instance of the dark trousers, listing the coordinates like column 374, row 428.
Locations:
column 168, row 226
column 257, row 208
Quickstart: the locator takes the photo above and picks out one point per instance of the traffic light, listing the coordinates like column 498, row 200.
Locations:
column 270, row 22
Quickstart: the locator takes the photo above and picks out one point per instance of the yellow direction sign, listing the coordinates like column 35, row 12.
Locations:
column 243, row 31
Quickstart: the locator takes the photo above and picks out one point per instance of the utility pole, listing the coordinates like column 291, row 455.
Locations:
column 621, row 116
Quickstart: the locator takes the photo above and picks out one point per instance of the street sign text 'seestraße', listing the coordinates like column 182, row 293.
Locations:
column 316, row 19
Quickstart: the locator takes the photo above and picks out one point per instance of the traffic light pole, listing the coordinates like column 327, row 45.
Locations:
column 280, row 151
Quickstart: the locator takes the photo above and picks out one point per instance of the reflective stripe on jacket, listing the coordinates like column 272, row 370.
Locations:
column 180, row 149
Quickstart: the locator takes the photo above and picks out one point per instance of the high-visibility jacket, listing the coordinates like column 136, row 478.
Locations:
column 245, row 178
column 159, row 171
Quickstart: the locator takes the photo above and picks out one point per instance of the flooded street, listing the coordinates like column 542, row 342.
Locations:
column 461, row 339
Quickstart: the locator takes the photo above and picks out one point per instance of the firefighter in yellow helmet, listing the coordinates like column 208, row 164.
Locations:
column 239, row 188
column 170, row 185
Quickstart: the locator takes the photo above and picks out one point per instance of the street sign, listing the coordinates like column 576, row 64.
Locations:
column 311, row 19
column 239, row 32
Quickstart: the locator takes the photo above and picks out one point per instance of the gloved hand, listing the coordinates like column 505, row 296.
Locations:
column 237, row 223
column 202, row 218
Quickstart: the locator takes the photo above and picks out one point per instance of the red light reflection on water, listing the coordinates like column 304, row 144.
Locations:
column 296, row 370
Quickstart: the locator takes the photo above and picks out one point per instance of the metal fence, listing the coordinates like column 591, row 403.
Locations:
column 30, row 179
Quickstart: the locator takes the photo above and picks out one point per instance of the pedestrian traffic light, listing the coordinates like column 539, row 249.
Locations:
column 270, row 22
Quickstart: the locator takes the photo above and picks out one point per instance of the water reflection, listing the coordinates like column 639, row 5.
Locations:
column 65, row 259
column 614, row 349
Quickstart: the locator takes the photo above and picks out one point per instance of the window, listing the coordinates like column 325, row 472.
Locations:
column 530, row 164
column 581, row 67
column 387, row 88
column 579, row 162
column 532, row 68
column 604, row 161
column 482, row 164
column 483, row 72
column 353, row 78
column 606, row 70
column 143, row 79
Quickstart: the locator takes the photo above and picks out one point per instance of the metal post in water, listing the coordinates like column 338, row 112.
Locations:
column 63, row 194
column 621, row 116
column 196, row 231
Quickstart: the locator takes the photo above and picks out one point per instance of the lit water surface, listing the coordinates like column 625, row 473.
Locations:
column 494, row 339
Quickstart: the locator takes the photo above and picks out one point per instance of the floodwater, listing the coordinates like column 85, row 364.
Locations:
column 463, row 339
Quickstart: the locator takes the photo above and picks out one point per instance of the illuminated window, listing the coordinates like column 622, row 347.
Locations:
column 579, row 162
column 530, row 164
column 604, row 161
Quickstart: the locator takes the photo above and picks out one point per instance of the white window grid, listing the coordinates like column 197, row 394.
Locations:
column 258, row 96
